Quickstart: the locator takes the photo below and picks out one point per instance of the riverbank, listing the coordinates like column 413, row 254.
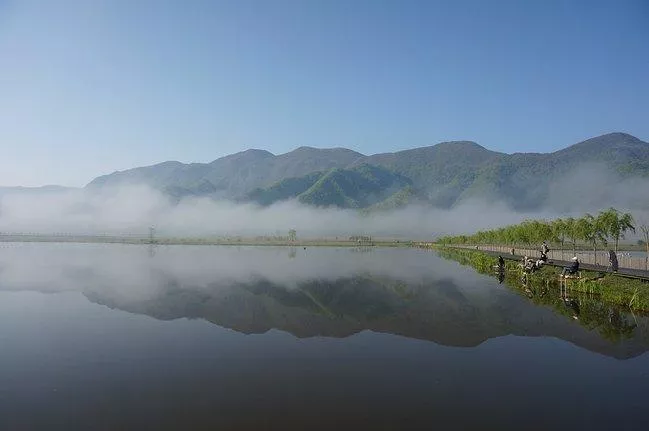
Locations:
column 630, row 293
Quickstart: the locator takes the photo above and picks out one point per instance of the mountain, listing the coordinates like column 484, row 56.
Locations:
column 443, row 175
column 285, row 189
column 232, row 176
column 358, row 187
column 400, row 199
column 443, row 170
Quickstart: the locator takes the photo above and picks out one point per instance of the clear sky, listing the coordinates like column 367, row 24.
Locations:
column 92, row 86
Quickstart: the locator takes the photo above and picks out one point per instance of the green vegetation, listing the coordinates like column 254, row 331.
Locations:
column 358, row 187
column 285, row 189
column 446, row 174
column 609, row 225
column 609, row 290
column 404, row 197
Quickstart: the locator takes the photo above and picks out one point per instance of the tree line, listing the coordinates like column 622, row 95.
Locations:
column 608, row 226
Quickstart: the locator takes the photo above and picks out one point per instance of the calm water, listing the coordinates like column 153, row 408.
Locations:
column 127, row 337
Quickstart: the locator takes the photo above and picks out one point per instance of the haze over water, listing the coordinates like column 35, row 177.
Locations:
column 111, row 336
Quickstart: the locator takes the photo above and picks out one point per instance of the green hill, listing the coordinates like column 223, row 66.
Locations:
column 285, row 189
column 444, row 175
column 400, row 199
column 358, row 187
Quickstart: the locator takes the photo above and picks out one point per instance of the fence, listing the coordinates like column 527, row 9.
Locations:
column 625, row 260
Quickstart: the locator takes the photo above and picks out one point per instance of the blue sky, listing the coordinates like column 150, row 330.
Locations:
column 92, row 86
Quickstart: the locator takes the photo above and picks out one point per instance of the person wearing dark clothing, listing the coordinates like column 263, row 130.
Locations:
column 544, row 248
column 572, row 269
column 500, row 268
column 544, row 257
column 612, row 261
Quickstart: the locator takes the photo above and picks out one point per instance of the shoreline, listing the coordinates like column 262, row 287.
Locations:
column 629, row 292
column 91, row 239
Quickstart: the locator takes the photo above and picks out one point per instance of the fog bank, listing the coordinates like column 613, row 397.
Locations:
column 133, row 209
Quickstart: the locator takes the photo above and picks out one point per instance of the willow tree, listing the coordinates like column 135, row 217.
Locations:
column 572, row 232
column 616, row 224
column 542, row 231
column 590, row 230
column 559, row 232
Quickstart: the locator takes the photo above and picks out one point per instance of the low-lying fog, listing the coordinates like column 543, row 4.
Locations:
column 133, row 209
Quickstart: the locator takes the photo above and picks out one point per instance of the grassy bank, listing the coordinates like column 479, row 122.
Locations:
column 627, row 293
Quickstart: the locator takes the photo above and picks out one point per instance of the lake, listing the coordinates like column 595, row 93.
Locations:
column 112, row 337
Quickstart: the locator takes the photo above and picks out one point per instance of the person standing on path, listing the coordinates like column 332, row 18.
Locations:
column 612, row 261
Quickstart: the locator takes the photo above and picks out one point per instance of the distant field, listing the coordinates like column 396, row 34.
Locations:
column 238, row 241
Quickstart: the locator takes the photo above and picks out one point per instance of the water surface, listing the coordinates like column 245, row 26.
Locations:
column 130, row 337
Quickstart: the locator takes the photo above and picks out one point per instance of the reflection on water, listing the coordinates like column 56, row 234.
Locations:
column 320, row 292
column 612, row 321
column 282, row 335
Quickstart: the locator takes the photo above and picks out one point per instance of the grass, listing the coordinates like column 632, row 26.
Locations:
column 603, row 304
column 628, row 293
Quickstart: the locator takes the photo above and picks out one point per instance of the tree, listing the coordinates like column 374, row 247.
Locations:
column 616, row 224
column 572, row 232
column 644, row 229
column 559, row 231
column 292, row 235
column 589, row 230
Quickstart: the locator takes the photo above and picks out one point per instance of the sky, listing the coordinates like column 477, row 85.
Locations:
column 88, row 87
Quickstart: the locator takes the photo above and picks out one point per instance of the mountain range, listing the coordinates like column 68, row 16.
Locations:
column 343, row 307
column 442, row 175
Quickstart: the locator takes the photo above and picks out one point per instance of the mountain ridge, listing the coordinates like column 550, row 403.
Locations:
column 445, row 174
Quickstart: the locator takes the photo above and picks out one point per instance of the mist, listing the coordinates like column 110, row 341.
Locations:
column 591, row 187
column 132, row 209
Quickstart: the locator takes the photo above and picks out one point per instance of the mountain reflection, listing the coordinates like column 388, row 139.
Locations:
column 319, row 292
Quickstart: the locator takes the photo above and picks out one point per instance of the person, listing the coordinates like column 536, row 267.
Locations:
column 500, row 267
column 572, row 269
column 612, row 261
column 529, row 263
column 544, row 248
column 501, row 277
column 544, row 257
